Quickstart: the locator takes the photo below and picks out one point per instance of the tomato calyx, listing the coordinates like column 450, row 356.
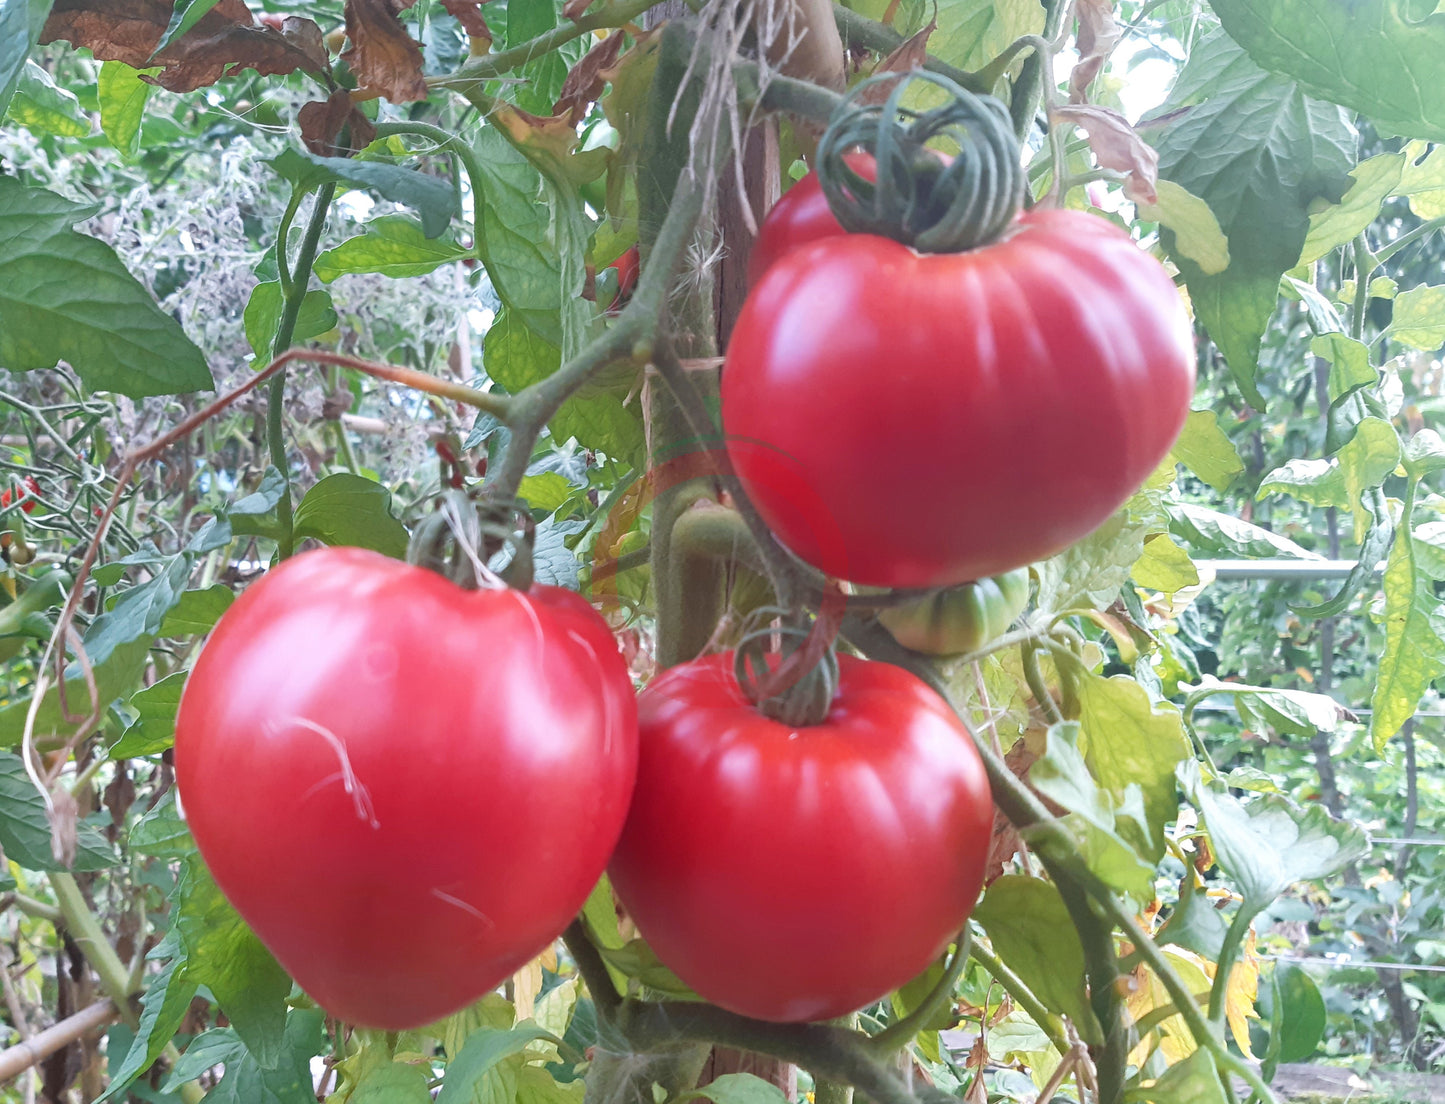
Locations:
column 920, row 196
column 795, row 685
column 461, row 537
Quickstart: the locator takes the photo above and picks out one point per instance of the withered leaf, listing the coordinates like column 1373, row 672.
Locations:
column 227, row 38
column 322, row 120
column 1098, row 34
column 383, row 56
column 469, row 14
column 573, row 9
column 1117, row 146
column 585, row 81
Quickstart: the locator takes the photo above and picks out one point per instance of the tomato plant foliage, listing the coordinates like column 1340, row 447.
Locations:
column 1085, row 571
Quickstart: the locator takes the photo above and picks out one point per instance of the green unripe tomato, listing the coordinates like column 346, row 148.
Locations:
column 960, row 619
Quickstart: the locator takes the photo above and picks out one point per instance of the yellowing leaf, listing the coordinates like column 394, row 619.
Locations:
column 526, row 984
column 1207, row 451
column 1419, row 320
column 1342, row 222
column 1423, row 180
column 1239, row 996
column 1197, row 234
column 1165, row 567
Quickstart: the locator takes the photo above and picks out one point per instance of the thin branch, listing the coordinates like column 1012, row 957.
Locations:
column 24, row 1055
column 1022, row 996
column 592, row 968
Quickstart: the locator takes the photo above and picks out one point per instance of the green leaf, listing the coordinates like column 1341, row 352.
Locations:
column 637, row 960
column 1207, row 451
column 1424, row 453
column 154, row 730
column 1196, row 231
column 1298, row 1016
column 41, row 105
column 1419, row 319
column 597, row 415
column 122, row 95
column 187, row 14
column 1090, row 572
column 430, row 197
column 25, row 830
column 536, row 1085
column 1254, row 148
column 394, row 245
column 1271, row 843
column 1195, row 924
column 1423, row 180
column 163, row 1007
column 971, row 33
column 1350, row 366
column 1316, row 482
column 545, row 491
column 1342, row 222
column 1414, row 637
column 65, row 296
column 1129, row 740
column 1366, row 461
column 115, row 677
column 225, row 955
column 207, row 1050
column 480, row 1059
column 739, row 1088
column 255, row 515
column 161, row 832
column 350, row 510
column 1164, row 567
column 1288, row 712
column 197, row 611
column 1195, row 1080
column 1030, row 929
column 247, row 1081
column 393, row 1083
column 1376, row 58
column 1205, row 530
column 263, row 315
column 20, row 25
column 1063, row 776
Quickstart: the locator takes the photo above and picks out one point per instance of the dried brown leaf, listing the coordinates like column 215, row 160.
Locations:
column 814, row 49
column 585, row 81
column 227, row 38
column 383, row 56
column 323, row 120
column 64, row 816
column 573, row 9
column 1098, row 35
column 469, row 14
column 1117, row 146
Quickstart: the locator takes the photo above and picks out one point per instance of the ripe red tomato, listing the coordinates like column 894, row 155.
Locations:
column 28, row 492
column 922, row 420
column 627, row 266
column 406, row 789
column 801, row 873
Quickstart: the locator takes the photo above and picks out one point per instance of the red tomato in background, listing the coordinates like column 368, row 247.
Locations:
column 907, row 420
column 801, row 873
column 801, row 216
column 627, row 265
column 406, row 789
column 28, row 491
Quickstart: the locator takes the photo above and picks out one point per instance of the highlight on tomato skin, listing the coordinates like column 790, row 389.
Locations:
column 359, row 751
column 798, row 874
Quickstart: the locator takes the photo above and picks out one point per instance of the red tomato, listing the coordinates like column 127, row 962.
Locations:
column 29, row 492
column 405, row 788
column 908, row 420
column 627, row 267
column 801, row 873
column 801, row 216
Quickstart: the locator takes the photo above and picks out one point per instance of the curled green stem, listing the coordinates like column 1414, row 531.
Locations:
column 1038, row 687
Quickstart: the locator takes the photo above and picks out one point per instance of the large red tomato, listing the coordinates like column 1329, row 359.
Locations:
column 405, row 788
column 801, row 873
column 800, row 216
column 921, row 420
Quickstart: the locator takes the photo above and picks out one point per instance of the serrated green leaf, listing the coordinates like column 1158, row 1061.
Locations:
column 483, row 1058
column 1288, row 712
column 971, row 33
column 1196, row 231
column 1207, row 451
column 263, row 315
column 430, row 197
column 1419, row 319
column 1206, row 530
column 1342, row 222
column 370, row 1076
column 1316, row 482
column 1164, row 567
column 39, row 104
column 346, row 509
column 1379, row 59
column 1366, row 461
column 154, row 730
column 247, row 1081
column 122, row 95
column 20, row 25
column 1258, row 151
column 1349, row 359
column 1030, row 929
column 197, row 611
column 255, row 515
column 1090, row 572
column 1271, row 843
column 1414, row 637
column 1195, row 924
column 219, row 1046
column 65, row 296
column 224, row 954
column 161, row 832
column 163, row 1007
column 1423, row 180
column 1129, row 740
column 25, row 830
column 394, row 245
column 545, row 490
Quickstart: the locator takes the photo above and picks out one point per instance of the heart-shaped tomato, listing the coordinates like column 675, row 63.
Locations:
column 405, row 788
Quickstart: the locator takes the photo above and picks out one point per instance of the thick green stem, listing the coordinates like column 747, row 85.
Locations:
column 295, row 295
column 1228, row 952
column 452, row 143
column 592, row 968
column 84, row 928
column 1365, row 265
column 860, row 31
column 1034, row 676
